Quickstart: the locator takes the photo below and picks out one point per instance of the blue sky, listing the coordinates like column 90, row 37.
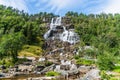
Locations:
column 60, row 7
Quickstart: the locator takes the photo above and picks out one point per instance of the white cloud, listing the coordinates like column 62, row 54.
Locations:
column 19, row 4
column 62, row 6
column 112, row 6
column 58, row 5
column 108, row 6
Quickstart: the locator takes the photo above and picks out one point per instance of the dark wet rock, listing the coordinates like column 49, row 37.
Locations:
column 47, row 69
column 65, row 67
column 39, row 68
column 2, row 75
column 3, row 67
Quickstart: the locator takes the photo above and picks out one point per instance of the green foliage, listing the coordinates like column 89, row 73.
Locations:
column 104, row 76
column 91, row 52
column 116, row 69
column 6, row 62
column 31, row 49
column 113, row 78
column 76, row 57
column 106, row 61
column 86, row 62
column 10, row 45
column 17, row 27
column 52, row 73
column 101, row 31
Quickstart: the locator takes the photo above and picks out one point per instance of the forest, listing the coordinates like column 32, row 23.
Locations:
column 102, row 31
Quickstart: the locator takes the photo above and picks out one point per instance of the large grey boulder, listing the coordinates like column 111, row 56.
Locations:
column 92, row 75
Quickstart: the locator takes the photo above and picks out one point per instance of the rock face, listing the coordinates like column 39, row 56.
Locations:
column 60, row 39
column 58, row 31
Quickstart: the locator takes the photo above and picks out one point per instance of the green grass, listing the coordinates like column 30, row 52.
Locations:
column 117, row 69
column 113, row 78
column 52, row 73
column 30, row 51
column 81, row 61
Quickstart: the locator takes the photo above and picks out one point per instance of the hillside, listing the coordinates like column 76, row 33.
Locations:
column 84, row 40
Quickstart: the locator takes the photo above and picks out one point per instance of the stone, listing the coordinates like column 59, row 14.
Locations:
column 92, row 75
column 41, row 59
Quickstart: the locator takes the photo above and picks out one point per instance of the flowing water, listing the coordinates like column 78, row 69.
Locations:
column 22, row 77
column 66, row 36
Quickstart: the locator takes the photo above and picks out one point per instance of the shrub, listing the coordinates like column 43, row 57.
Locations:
column 106, row 62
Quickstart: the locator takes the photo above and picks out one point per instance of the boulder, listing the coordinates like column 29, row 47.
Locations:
column 92, row 75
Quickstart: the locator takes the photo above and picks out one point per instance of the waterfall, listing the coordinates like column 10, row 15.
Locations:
column 66, row 36
column 54, row 23
column 46, row 35
column 69, row 36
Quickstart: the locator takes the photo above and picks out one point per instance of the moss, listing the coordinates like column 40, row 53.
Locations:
column 52, row 73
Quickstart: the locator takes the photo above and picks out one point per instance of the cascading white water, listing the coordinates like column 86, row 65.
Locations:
column 54, row 23
column 46, row 35
column 69, row 36
column 66, row 36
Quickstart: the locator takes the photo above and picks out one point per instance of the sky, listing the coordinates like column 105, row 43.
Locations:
column 60, row 7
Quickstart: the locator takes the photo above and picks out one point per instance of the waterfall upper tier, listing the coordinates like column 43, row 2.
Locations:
column 58, row 31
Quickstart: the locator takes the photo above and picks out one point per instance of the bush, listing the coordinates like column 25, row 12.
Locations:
column 52, row 73
column 106, row 62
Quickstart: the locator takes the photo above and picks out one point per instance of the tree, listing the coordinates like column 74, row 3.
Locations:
column 11, row 44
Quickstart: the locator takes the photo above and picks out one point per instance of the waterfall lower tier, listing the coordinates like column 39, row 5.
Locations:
column 69, row 36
